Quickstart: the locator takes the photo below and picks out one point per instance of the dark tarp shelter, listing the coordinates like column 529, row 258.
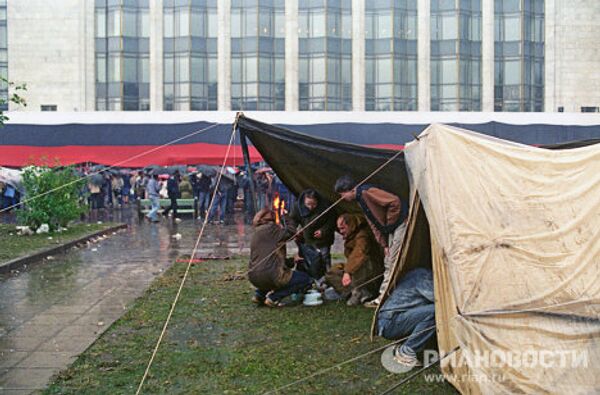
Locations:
column 303, row 161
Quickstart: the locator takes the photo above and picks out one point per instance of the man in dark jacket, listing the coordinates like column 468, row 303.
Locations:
column 203, row 187
column 220, row 200
column 386, row 215
column 317, row 238
column 173, row 193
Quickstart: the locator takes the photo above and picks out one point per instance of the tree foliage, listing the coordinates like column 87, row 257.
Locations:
column 52, row 197
column 15, row 96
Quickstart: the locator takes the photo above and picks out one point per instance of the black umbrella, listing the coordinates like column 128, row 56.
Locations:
column 98, row 169
column 227, row 174
column 206, row 170
column 97, row 179
column 172, row 169
column 151, row 169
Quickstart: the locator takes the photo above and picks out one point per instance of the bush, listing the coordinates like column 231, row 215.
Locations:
column 52, row 197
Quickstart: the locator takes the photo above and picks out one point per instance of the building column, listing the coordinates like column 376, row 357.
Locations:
column 87, row 56
column 156, row 56
column 487, row 56
column 424, row 55
column 358, row 55
column 551, row 95
column 224, row 55
column 291, row 56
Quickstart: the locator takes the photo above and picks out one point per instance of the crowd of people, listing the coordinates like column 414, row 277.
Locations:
column 372, row 242
column 117, row 189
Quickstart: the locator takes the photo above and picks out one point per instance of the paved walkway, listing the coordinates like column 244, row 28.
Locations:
column 53, row 311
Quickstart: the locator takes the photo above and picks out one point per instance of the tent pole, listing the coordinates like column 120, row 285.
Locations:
column 250, row 172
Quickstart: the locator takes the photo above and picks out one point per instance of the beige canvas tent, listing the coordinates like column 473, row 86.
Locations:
column 512, row 233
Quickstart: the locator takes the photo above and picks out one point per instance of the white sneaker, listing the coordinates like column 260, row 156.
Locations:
column 395, row 361
column 373, row 304
column 406, row 360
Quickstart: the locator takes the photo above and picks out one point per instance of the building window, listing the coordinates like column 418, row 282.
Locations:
column 456, row 55
column 258, row 55
column 325, row 55
column 190, row 55
column 3, row 58
column 590, row 109
column 48, row 107
column 391, row 55
column 122, row 31
column 519, row 55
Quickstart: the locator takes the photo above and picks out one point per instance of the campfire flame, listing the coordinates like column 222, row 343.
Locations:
column 277, row 207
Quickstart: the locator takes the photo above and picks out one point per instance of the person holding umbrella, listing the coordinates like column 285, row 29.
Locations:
column 173, row 193
column 153, row 191
column 94, row 186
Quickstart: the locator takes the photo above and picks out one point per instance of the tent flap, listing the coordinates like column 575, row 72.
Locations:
column 303, row 161
column 516, row 257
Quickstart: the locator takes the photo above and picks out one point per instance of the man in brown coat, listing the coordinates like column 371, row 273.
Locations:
column 359, row 277
column 268, row 271
column 386, row 215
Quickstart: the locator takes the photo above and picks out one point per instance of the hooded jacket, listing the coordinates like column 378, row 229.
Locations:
column 360, row 245
column 300, row 215
column 384, row 211
column 267, row 270
column 364, row 259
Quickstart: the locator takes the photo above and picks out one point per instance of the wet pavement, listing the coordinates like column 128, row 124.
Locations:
column 53, row 311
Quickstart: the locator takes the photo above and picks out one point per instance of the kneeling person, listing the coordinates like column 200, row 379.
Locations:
column 268, row 271
column 318, row 234
column 409, row 311
column 360, row 276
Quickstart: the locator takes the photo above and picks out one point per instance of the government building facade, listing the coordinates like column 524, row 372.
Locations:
column 303, row 55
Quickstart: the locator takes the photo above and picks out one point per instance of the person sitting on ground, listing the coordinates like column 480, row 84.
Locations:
column 314, row 243
column 386, row 216
column 358, row 279
column 409, row 311
column 268, row 271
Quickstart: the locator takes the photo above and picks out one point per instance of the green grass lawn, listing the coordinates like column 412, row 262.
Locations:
column 13, row 246
column 219, row 343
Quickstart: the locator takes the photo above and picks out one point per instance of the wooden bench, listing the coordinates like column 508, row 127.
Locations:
column 184, row 206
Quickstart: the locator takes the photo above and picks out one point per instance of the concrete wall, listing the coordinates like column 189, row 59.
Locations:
column 572, row 54
column 50, row 47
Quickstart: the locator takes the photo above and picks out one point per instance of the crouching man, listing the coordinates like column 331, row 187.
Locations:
column 268, row 271
column 386, row 215
column 409, row 311
column 360, row 276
